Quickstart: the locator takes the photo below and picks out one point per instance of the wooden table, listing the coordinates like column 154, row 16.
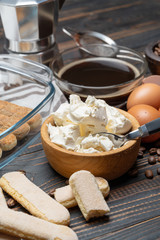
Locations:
column 134, row 201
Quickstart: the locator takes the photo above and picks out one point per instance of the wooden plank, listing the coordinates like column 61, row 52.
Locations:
column 134, row 202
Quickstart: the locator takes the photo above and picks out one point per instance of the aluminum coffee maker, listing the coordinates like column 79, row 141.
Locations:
column 30, row 27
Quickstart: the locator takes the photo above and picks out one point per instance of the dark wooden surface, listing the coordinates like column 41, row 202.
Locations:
column 134, row 201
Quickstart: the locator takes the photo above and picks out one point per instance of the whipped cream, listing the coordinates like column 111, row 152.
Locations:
column 95, row 143
column 117, row 122
column 91, row 115
column 77, row 124
column 64, row 136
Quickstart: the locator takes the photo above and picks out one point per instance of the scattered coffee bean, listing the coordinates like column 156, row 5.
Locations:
column 142, row 149
column 11, row 203
column 67, row 182
column 140, row 154
column 22, row 171
column 51, row 192
column 156, row 53
column 158, row 151
column 149, row 174
column 157, row 50
column 133, row 172
column 158, row 171
column 153, row 151
column 151, row 160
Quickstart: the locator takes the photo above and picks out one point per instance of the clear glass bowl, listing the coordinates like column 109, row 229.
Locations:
column 113, row 94
column 28, row 84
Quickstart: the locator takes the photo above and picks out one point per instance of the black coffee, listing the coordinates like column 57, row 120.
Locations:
column 98, row 73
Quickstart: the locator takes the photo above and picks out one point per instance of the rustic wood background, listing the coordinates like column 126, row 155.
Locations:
column 134, row 201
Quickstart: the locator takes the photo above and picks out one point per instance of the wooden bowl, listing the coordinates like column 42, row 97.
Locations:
column 152, row 59
column 109, row 165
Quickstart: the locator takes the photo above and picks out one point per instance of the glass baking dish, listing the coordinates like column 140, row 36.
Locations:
column 27, row 84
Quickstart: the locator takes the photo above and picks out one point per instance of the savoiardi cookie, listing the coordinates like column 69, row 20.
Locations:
column 10, row 114
column 34, row 199
column 65, row 196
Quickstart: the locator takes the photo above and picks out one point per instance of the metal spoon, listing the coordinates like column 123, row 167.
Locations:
column 104, row 45
column 143, row 131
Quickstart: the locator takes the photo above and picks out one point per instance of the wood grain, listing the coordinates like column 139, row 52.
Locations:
column 134, row 202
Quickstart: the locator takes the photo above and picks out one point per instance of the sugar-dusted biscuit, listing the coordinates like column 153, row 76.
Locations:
column 13, row 110
column 35, row 200
column 2, row 200
column 10, row 114
column 64, row 195
column 6, row 122
column 7, row 237
column 23, row 225
column 87, row 194
column 3, row 204
column 9, row 142
column 34, row 122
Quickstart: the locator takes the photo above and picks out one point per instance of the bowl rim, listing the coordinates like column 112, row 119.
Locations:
column 45, row 137
column 121, row 49
column 38, row 78
column 150, row 54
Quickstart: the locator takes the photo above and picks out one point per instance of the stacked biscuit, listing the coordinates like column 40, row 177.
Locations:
column 9, row 115
column 50, row 215
column 48, row 218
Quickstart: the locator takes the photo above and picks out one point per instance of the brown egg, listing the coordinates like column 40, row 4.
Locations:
column 144, row 114
column 148, row 93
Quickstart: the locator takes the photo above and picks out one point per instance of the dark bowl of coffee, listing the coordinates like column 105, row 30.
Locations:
column 152, row 53
column 106, row 72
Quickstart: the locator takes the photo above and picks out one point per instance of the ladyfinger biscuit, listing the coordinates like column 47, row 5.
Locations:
column 11, row 109
column 7, row 237
column 6, row 122
column 64, row 195
column 9, row 142
column 87, row 194
column 34, row 122
column 2, row 199
column 3, row 204
column 23, row 225
column 35, row 200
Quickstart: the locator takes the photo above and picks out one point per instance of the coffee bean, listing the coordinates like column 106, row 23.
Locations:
column 156, row 53
column 153, row 151
column 151, row 160
column 22, row 171
column 140, row 154
column 157, row 49
column 142, row 149
column 158, row 171
column 51, row 192
column 67, row 182
column 149, row 174
column 11, row 203
column 158, row 151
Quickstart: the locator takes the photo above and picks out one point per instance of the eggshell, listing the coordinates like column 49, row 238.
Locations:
column 144, row 114
column 148, row 93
